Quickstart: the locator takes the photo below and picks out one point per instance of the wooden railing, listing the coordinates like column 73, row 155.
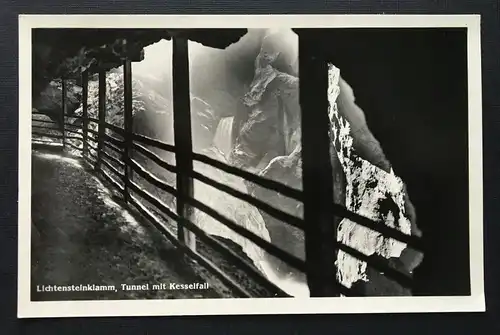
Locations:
column 108, row 149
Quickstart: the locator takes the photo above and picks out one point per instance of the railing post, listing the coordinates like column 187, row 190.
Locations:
column 182, row 135
column 317, row 174
column 63, row 110
column 102, row 116
column 128, row 119
column 85, row 116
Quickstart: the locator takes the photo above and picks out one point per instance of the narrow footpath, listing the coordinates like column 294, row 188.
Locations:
column 80, row 236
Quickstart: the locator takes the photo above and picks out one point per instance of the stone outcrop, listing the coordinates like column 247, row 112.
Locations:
column 373, row 193
column 49, row 101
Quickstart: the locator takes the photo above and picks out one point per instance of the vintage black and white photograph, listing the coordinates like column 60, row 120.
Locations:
column 174, row 165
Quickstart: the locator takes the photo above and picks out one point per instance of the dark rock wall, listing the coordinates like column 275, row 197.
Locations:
column 412, row 85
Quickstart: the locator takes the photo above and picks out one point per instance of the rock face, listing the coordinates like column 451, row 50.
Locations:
column 114, row 98
column 49, row 101
column 269, row 144
column 371, row 192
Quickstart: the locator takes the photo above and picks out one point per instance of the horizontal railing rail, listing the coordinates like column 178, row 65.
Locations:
column 152, row 142
column 113, row 140
column 152, row 178
column 58, row 136
column 379, row 227
column 273, row 211
column 111, row 180
column 44, row 121
column 115, row 148
column 44, row 128
column 251, row 177
column 74, row 146
column 112, row 168
column 401, row 278
column 242, row 231
column 39, row 113
column 114, row 128
column 116, row 161
column 93, row 132
column 73, row 125
column 73, row 116
column 154, row 157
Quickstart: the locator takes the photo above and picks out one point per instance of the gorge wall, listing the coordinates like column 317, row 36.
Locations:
column 412, row 86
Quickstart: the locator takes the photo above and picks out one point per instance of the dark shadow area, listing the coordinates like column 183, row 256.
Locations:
column 412, row 86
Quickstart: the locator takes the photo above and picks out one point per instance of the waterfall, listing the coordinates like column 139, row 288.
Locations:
column 222, row 138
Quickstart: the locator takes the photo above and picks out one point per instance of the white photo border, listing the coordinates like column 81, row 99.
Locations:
column 473, row 303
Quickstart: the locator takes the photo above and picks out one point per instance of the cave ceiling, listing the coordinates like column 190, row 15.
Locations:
column 65, row 53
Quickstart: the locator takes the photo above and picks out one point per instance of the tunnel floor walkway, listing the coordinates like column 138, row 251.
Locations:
column 80, row 236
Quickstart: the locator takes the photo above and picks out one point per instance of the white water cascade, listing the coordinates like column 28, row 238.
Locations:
column 223, row 135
